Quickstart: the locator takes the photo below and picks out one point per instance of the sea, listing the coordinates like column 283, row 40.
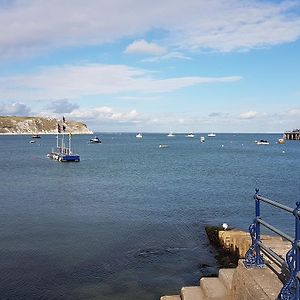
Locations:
column 128, row 221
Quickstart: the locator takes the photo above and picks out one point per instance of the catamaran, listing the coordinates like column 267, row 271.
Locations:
column 63, row 151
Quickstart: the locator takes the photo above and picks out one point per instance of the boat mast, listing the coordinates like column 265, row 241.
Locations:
column 63, row 135
column 69, row 143
column 58, row 131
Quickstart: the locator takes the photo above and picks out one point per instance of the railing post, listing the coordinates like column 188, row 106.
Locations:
column 291, row 289
column 257, row 228
column 253, row 257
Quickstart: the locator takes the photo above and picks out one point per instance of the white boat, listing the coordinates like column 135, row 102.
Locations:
column 95, row 140
column 139, row 136
column 190, row 135
column 211, row 134
column 171, row 134
column 202, row 139
column 262, row 142
column 31, row 142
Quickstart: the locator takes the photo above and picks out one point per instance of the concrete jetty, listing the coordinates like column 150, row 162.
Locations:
column 240, row 283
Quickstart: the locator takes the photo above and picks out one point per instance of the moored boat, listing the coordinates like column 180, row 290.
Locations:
column 63, row 153
column 139, row 136
column 190, row 135
column 211, row 134
column 281, row 141
column 202, row 139
column 95, row 140
column 262, row 142
column 36, row 136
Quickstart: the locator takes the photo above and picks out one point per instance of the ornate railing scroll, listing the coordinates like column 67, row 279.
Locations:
column 254, row 258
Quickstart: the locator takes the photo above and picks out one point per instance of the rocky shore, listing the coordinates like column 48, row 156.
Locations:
column 38, row 125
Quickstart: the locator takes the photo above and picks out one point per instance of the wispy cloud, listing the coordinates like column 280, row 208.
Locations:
column 106, row 114
column 62, row 106
column 168, row 56
column 14, row 109
column 294, row 112
column 36, row 26
column 73, row 81
column 144, row 47
column 249, row 115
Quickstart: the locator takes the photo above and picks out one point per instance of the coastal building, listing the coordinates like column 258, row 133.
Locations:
column 292, row 135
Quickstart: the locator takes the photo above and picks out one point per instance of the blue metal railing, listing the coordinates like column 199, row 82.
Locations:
column 254, row 258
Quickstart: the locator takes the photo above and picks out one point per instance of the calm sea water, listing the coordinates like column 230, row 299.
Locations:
column 127, row 222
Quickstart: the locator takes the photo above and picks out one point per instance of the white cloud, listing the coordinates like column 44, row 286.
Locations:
column 294, row 112
column 249, row 115
column 168, row 56
column 34, row 26
column 144, row 47
column 106, row 114
column 14, row 109
column 72, row 81
column 62, row 106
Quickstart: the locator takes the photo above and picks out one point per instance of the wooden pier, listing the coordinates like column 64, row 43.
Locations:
column 292, row 135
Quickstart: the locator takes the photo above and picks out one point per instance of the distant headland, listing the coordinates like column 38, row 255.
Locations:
column 38, row 125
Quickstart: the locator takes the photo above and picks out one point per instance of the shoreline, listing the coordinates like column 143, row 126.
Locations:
column 43, row 133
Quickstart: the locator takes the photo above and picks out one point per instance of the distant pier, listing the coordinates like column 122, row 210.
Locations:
column 292, row 135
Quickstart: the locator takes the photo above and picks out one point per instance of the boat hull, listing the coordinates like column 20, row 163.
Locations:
column 64, row 157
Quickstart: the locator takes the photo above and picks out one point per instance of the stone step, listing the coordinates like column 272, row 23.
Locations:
column 172, row 297
column 192, row 293
column 226, row 277
column 213, row 289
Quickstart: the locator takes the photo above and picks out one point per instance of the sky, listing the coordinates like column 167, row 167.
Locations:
column 153, row 66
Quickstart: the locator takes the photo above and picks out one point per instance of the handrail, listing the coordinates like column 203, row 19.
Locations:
column 274, row 229
column 254, row 258
column 274, row 203
column 270, row 252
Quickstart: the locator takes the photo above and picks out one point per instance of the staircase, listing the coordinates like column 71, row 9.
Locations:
column 210, row 288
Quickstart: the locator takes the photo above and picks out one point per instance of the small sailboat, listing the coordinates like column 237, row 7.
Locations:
column 139, row 136
column 202, row 139
column 63, row 152
column 171, row 134
column 211, row 134
column 190, row 135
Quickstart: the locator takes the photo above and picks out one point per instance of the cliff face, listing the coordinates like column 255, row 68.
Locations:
column 37, row 125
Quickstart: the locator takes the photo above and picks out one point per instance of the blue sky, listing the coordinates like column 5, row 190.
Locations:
column 131, row 65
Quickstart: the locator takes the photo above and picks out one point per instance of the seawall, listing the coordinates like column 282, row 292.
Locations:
column 239, row 283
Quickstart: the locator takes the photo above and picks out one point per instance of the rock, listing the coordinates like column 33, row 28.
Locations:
column 38, row 125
